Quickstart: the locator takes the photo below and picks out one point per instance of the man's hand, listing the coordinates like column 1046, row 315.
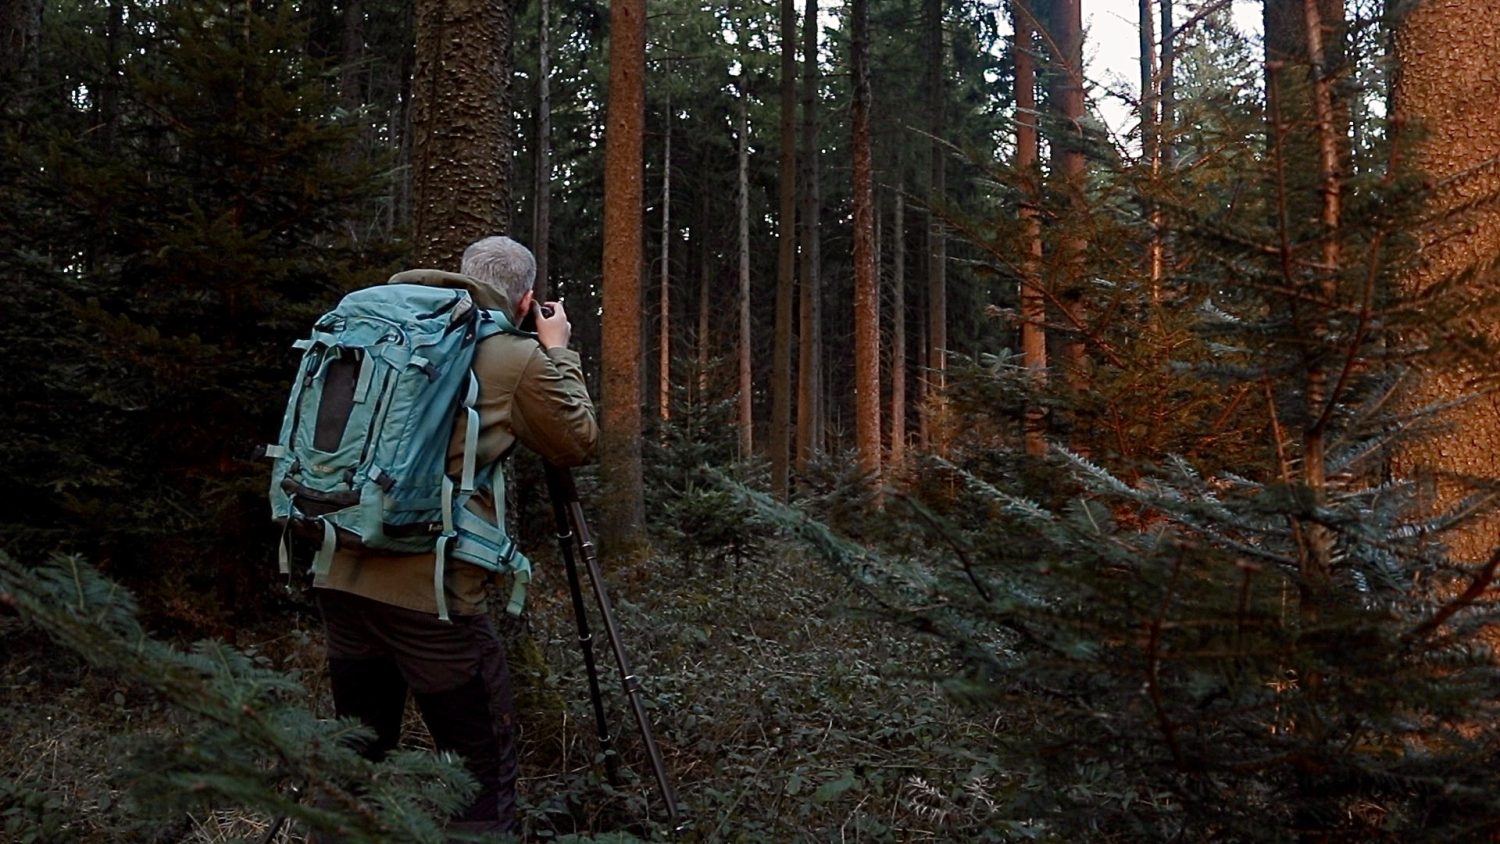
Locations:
column 552, row 326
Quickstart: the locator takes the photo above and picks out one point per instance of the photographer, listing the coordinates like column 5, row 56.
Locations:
column 384, row 636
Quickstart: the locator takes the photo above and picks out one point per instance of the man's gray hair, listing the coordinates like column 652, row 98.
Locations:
column 501, row 263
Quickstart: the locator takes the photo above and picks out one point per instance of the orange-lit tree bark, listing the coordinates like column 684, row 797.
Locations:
column 1446, row 91
column 461, row 126
column 786, row 259
column 621, row 506
column 937, row 238
column 1033, row 304
column 866, row 290
column 810, row 295
column 747, row 439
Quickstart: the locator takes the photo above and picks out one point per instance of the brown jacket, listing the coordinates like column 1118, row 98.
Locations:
column 527, row 394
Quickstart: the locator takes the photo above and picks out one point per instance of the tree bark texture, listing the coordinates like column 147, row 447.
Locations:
column 461, row 126
column 664, row 299
column 937, row 236
column 866, row 289
column 898, row 329
column 620, row 431
column 810, row 414
column 541, row 195
column 1070, row 169
column 786, row 259
column 1446, row 93
column 1033, row 303
column 747, row 387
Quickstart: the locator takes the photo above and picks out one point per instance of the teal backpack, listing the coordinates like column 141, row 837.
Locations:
column 362, row 457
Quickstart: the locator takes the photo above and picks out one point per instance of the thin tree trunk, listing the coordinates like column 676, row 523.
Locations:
column 1032, row 301
column 1166, row 150
column 747, row 440
column 664, row 338
column 352, row 70
column 937, row 246
column 1318, row 556
column 620, row 433
column 866, row 291
column 1150, row 142
column 541, row 223
column 705, row 274
column 786, row 258
column 810, row 311
column 898, row 328
column 462, row 123
column 1069, row 153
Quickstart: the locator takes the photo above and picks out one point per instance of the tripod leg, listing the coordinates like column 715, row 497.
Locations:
column 628, row 678
column 558, row 486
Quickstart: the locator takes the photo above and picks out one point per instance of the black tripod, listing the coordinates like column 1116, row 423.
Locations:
column 573, row 529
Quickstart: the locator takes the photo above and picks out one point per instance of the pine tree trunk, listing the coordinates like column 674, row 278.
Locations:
column 1150, row 141
column 786, row 258
column 705, row 277
column 664, row 303
column 934, row 432
column 747, row 439
column 898, row 329
column 866, row 291
column 461, row 125
column 620, row 432
column 541, row 209
column 1068, row 151
column 1033, row 303
column 1446, row 93
column 351, row 68
column 810, row 414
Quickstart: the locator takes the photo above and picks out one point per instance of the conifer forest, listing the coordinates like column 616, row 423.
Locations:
column 998, row 441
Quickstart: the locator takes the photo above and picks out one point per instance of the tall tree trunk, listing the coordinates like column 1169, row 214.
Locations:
column 937, row 246
column 810, row 414
column 620, row 433
column 898, row 328
column 664, row 304
column 1151, row 141
column 352, row 70
column 705, row 276
column 541, row 192
column 1446, row 92
column 1318, row 552
column 1068, row 150
column 462, row 126
column 747, row 439
column 1032, row 301
column 866, row 291
column 786, row 258
column 1166, row 149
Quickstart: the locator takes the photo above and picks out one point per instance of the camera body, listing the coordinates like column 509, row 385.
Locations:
column 528, row 322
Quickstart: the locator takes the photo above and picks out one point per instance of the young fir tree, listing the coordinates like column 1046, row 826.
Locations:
column 233, row 735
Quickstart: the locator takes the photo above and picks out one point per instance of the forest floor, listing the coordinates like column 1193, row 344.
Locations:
column 783, row 714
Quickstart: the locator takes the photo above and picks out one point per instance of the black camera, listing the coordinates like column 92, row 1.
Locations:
column 528, row 322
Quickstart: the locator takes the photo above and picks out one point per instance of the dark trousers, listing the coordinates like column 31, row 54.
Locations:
column 456, row 671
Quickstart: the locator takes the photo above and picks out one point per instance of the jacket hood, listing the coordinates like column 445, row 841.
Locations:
column 487, row 296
